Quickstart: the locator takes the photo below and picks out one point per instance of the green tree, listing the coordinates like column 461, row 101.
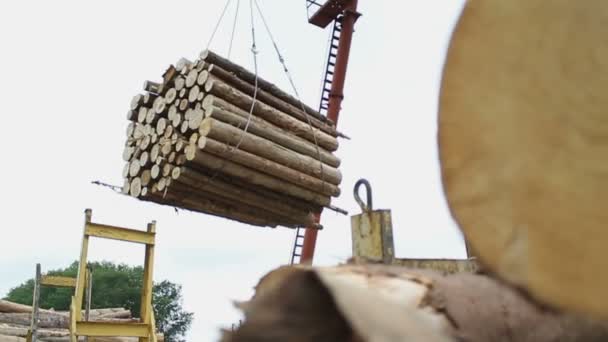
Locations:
column 116, row 285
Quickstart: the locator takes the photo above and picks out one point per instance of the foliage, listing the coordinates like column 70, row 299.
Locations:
column 170, row 317
column 115, row 285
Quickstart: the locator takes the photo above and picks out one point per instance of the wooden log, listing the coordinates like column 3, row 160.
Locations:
column 183, row 104
column 60, row 320
column 183, row 64
column 155, row 171
column 151, row 117
column 155, row 151
column 146, row 142
column 169, row 130
column 127, row 152
column 196, row 119
column 132, row 114
column 267, row 166
column 221, row 89
column 160, row 105
column 193, row 93
column 190, row 202
column 191, row 78
column 200, row 65
column 177, row 120
column 146, row 177
column 130, row 129
column 289, row 219
column 141, row 114
column 265, row 148
column 144, row 159
column 11, row 307
column 136, row 102
column 169, row 76
column 217, row 187
column 6, row 338
column 134, row 167
column 125, row 170
column 161, row 124
column 388, row 303
column 184, row 127
column 271, row 132
column 522, row 139
column 45, row 320
column 135, row 189
column 152, row 87
column 210, row 161
column 171, row 112
column 171, row 95
column 180, row 83
column 213, row 58
column 202, row 77
column 149, row 99
column 270, row 99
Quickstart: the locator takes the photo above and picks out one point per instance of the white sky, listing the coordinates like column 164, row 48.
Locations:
column 69, row 69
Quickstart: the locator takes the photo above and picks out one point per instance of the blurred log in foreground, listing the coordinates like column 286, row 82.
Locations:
column 379, row 303
column 523, row 139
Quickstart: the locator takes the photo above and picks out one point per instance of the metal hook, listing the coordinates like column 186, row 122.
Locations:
column 368, row 188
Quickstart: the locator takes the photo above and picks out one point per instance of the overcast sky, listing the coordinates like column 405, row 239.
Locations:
column 69, row 69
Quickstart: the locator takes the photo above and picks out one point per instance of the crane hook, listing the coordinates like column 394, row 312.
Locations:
column 368, row 188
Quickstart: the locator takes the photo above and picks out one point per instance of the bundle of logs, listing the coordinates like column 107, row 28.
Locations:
column 213, row 137
column 15, row 322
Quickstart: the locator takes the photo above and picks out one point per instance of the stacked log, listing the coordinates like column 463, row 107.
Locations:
column 524, row 173
column 206, row 139
column 364, row 302
column 15, row 320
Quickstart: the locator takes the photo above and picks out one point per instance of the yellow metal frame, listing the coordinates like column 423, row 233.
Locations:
column 146, row 328
column 55, row 281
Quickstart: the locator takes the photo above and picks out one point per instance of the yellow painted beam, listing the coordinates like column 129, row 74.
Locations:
column 117, row 233
column 107, row 329
column 82, row 268
column 58, row 281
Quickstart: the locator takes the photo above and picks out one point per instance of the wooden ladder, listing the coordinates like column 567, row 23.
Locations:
column 146, row 328
column 52, row 281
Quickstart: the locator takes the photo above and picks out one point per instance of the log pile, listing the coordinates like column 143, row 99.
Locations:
column 193, row 144
column 53, row 325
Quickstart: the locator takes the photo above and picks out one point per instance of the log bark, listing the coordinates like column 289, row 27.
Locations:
column 293, row 220
column 273, row 133
column 197, row 180
column 521, row 145
column 388, row 303
column 213, row 58
column 194, row 203
column 270, row 99
column 267, row 166
column 221, row 89
column 209, row 161
column 292, row 202
column 265, row 148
